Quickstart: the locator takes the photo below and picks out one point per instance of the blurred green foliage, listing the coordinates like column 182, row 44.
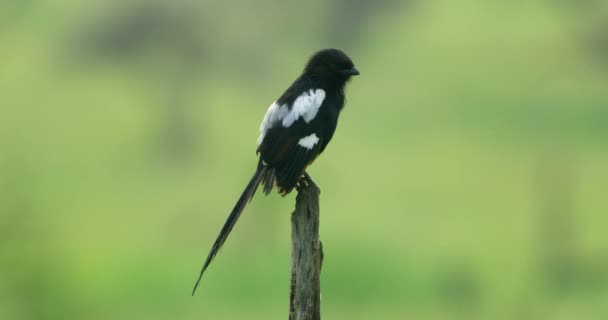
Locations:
column 467, row 179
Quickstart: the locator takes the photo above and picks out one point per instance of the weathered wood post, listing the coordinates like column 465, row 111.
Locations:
column 306, row 256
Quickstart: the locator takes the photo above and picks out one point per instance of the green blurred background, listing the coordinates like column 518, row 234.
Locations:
column 467, row 178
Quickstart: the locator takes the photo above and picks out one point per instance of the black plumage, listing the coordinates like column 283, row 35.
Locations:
column 295, row 130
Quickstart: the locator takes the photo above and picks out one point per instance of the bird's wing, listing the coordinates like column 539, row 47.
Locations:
column 285, row 113
column 289, row 152
column 290, row 138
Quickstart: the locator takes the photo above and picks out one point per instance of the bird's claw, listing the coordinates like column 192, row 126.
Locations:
column 305, row 181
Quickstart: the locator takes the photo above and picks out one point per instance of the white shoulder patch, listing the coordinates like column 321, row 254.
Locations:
column 306, row 106
column 309, row 141
column 274, row 114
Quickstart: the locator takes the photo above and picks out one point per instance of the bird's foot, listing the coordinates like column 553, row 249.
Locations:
column 305, row 181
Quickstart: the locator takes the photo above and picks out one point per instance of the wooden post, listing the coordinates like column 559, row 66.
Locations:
column 306, row 256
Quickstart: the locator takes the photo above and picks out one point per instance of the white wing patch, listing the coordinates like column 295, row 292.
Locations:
column 309, row 141
column 274, row 114
column 306, row 106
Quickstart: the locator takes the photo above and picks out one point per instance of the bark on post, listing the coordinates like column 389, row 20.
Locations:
column 306, row 256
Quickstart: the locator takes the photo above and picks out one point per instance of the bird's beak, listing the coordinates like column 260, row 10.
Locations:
column 351, row 72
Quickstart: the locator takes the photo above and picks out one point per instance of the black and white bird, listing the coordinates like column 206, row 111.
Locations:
column 296, row 129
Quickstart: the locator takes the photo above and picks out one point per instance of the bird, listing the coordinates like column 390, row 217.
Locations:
column 295, row 130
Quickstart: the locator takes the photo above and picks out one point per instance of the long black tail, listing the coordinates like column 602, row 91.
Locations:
column 260, row 173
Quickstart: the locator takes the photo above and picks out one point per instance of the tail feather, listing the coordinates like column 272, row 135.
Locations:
column 246, row 196
column 268, row 180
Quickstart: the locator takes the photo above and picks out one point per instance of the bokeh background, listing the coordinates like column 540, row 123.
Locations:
column 467, row 178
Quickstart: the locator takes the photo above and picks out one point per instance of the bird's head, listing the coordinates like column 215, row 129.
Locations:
column 331, row 64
